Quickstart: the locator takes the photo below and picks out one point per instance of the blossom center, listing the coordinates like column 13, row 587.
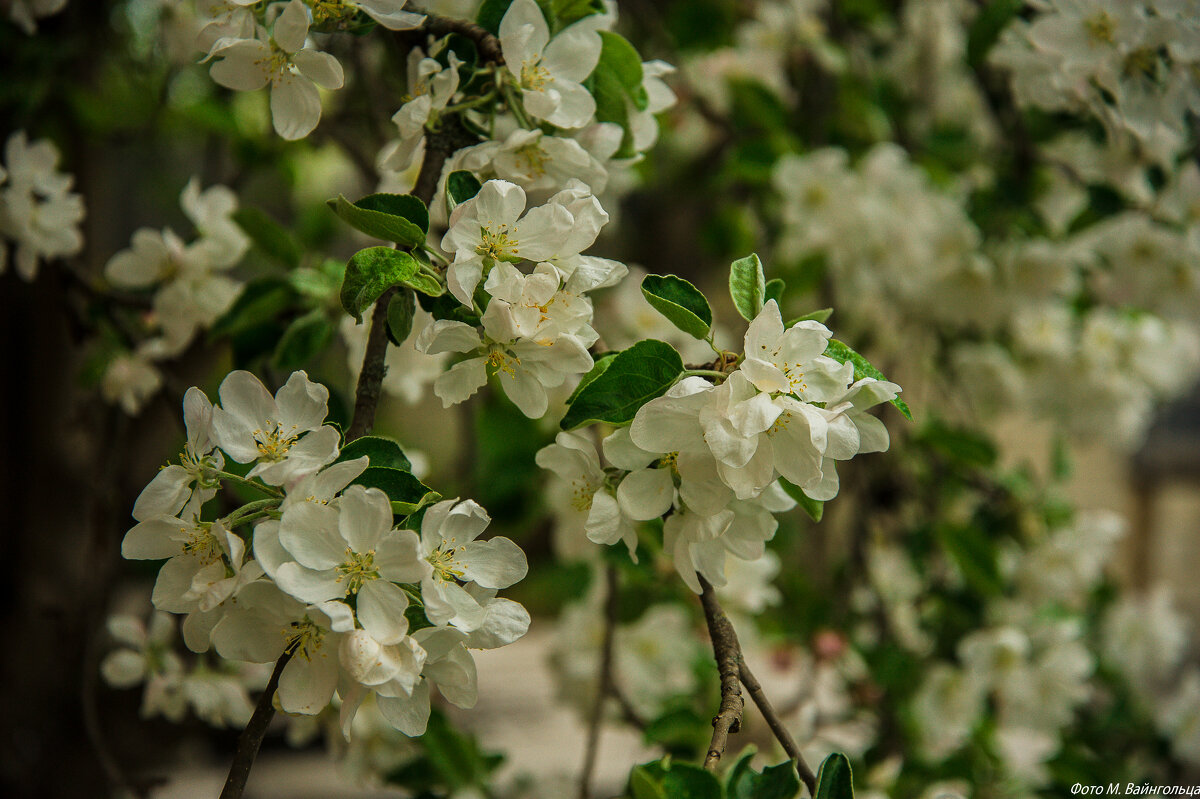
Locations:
column 534, row 76
column 501, row 361
column 273, row 443
column 582, row 494
column 496, row 244
column 445, row 566
column 304, row 638
column 535, row 159
column 357, row 570
column 201, row 543
column 337, row 11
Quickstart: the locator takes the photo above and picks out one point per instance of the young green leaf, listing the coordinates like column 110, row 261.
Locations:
column 644, row 785
column 381, row 451
column 406, row 492
column 303, row 339
column 598, row 368
column 371, row 272
column 461, row 186
column 400, row 315
column 834, row 779
column 747, row 286
column 815, row 316
column 774, row 290
column 689, row 781
column 268, row 235
column 620, row 56
column 862, row 368
column 681, row 302
column 815, row 508
column 401, row 218
column 633, row 378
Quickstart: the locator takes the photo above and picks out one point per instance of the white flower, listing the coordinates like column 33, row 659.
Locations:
column 485, row 230
column 387, row 13
column 792, row 361
column 431, row 87
column 448, row 543
column 175, row 485
column 349, row 551
column 946, row 708
column 38, row 211
column 191, row 291
column 526, row 367
column 282, row 435
column 1145, row 637
column 550, row 72
column 145, row 652
column 281, row 61
column 536, row 161
column 129, row 381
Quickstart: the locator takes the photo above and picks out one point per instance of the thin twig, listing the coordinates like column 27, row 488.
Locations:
column 628, row 712
column 487, row 44
column 727, row 653
column 773, row 721
column 604, row 681
column 252, row 737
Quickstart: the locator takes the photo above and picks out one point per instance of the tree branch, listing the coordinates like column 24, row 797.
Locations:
column 727, row 653
column 487, row 44
column 776, row 724
column 604, row 681
column 252, row 737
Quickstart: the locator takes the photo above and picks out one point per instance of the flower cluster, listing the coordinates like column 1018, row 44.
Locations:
column 39, row 213
column 535, row 330
column 360, row 605
column 707, row 456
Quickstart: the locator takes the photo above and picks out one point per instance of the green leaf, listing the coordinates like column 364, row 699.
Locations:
column 740, row 779
column 381, row 451
column 862, row 368
column 371, row 272
column 490, row 15
column 461, row 186
column 633, row 378
column 260, row 301
column 975, row 554
column 688, row 781
column 815, row 316
column 774, row 290
column 400, row 315
column 815, row 508
column 407, row 493
column 303, row 339
column 644, row 785
column 268, row 235
column 567, row 11
column 620, row 56
column 747, row 286
column 598, row 367
column 778, row 782
column 401, row 218
column 612, row 105
column 834, row 778
column 959, row 444
column 681, row 302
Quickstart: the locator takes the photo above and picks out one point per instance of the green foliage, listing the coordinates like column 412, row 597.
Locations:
column 255, row 323
column 450, row 762
column 774, row 782
column 862, row 368
column 815, row 508
column 380, row 450
column 303, row 339
column 834, row 778
column 616, row 83
column 401, row 218
column 975, row 554
column 370, row 273
column 268, row 236
column 747, row 286
column 682, row 303
column 774, row 291
column 461, row 186
column 506, row 443
column 400, row 312
column 598, row 368
column 959, row 445
column 407, row 493
column 670, row 780
column 814, row 316
column 633, row 378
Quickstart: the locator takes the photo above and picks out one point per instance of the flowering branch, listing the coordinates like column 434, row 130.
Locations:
column 776, row 724
column 251, row 738
column 728, row 654
column 604, row 681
